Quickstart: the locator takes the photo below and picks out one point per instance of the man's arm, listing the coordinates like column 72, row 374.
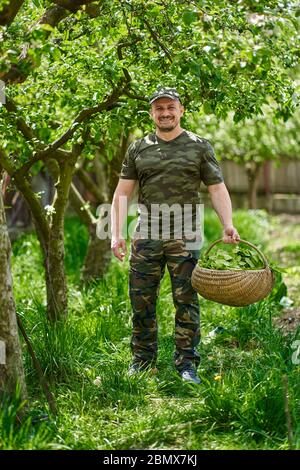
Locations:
column 221, row 203
column 119, row 209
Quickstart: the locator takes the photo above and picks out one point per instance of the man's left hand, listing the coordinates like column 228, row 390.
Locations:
column 230, row 235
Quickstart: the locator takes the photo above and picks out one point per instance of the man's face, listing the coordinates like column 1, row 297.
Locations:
column 166, row 113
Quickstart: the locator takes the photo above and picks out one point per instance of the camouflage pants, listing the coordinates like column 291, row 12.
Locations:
column 148, row 259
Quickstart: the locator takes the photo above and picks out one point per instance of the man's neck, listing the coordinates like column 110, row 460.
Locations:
column 169, row 135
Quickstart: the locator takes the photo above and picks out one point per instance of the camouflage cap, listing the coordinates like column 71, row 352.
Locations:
column 171, row 93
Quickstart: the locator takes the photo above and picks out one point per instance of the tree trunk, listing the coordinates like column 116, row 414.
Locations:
column 50, row 238
column 252, row 170
column 267, row 185
column 56, row 280
column 97, row 258
column 98, row 253
column 56, row 283
column 9, row 10
column 11, row 361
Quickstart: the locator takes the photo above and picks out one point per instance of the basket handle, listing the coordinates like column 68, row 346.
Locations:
column 266, row 264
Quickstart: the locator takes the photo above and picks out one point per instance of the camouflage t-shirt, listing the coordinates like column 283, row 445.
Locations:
column 170, row 172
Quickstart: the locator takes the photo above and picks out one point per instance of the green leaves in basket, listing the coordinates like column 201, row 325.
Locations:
column 238, row 258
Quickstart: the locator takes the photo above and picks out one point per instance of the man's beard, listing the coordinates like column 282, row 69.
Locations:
column 167, row 129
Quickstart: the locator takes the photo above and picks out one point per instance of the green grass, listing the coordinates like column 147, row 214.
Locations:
column 252, row 226
column 20, row 429
column 240, row 404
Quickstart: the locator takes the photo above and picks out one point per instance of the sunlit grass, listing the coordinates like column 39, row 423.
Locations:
column 239, row 405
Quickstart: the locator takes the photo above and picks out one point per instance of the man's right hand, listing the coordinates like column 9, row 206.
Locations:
column 118, row 247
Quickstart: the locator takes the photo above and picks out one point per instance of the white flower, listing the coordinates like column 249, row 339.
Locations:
column 97, row 381
column 286, row 301
column 49, row 210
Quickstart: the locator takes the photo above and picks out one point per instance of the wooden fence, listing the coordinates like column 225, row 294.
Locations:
column 282, row 179
column 278, row 186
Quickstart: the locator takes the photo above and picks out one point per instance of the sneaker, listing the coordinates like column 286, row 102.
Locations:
column 134, row 368
column 137, row 368
column 189, row 374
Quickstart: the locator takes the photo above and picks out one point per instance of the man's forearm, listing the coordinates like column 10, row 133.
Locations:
column 118, row 215
column 119, row 209
column 221, row 203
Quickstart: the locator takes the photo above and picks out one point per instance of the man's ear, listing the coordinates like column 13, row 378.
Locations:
column 182, row 110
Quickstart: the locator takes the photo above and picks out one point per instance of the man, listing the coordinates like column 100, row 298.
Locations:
column 169, row 166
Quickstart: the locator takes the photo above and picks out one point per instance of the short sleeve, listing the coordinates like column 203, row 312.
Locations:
column 211, row 172
column 128, row 170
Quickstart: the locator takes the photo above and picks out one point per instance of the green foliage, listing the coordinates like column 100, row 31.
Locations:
column 253, row 226
column 279, row 290
column 27, row 264
column 3, row 3
column 263, row 137
column 76, row 239
column 18, row 431
column 222, row 56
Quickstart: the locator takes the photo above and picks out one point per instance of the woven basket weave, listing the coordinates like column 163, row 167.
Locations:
column 233, row 287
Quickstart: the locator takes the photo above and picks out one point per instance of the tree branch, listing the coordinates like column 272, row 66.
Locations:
column 52, row 16
column 81, row 207
column 90, row 185
column 135, row 97
column 120, row 57
column 9, row 11
column 30, row 135
column 121, row 45
column 20, row 122
column 53, row 150
column 83, row 116
column 59, row 155
column 156, row 38
column 72, row 5
column 44, row 384
column 125, row 71
column 6, row 163
column 30, row 197
column 18, row 73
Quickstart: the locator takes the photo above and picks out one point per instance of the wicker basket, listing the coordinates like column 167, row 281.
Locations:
column 233, row 287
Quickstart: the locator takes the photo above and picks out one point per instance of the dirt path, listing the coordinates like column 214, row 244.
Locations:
column 284, row 245
column 287, row 231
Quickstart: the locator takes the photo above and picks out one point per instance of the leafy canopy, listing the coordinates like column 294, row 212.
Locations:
column 222, row 57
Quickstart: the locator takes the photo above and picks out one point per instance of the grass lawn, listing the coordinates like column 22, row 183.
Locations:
column 239, row 405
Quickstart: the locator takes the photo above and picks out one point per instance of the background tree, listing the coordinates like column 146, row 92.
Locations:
column 11, row 361
column 253, row 142
column 98, row 179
